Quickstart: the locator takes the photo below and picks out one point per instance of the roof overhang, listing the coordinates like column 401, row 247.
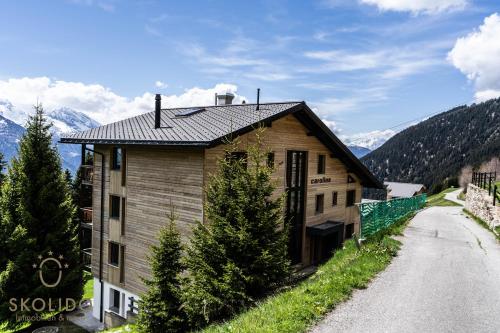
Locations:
column 301, row 111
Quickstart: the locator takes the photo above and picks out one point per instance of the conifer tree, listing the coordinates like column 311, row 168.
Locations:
column 240, row 253
column 37, row 224
column 160, row 309
column 3, row 163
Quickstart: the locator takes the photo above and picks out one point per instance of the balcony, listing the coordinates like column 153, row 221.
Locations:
column 87, row 175
column 86, row 217
column 87, row 259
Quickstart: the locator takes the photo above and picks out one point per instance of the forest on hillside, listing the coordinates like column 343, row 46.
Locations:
column 434, row 151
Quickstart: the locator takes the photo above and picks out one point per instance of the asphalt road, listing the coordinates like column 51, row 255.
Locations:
column 446, row 278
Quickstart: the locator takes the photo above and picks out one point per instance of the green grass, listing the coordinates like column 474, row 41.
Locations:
column 298, row 308
column 123, row 329
column 439, row 200
column 88, row 287
column 461, row 196
column 482, row 223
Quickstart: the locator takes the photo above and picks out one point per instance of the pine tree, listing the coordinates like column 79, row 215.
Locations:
column 240, row 254
column 3, row 163
column 37, row 223
column 160, row 306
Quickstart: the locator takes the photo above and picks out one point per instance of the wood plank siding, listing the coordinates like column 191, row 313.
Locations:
column 159, row 178
column 288, row 133
column 156, row 180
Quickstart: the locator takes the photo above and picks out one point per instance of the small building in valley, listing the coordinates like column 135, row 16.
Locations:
column 403, row 190
column 145, row 164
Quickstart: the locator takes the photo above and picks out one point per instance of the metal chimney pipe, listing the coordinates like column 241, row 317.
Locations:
column 157, row 110
column 258, row 98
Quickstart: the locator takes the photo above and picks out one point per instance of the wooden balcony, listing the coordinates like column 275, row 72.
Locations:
column 87, row 175
column 86, row 217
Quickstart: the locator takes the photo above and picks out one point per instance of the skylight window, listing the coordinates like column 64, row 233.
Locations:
column 189, row 112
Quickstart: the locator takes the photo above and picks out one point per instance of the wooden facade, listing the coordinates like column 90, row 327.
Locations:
column 287, row 134
column 153, row 180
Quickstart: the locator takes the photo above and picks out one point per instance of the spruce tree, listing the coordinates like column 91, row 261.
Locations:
column 160, row 308
column 37, row 223
column 3, row 163
column 240, row 253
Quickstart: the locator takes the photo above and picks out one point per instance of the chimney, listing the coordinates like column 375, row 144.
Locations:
column 225, row 99
column 157, row 110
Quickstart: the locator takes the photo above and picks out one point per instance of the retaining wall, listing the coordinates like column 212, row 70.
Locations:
column 479, row 203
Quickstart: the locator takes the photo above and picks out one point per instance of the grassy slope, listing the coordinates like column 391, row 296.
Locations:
column 439, row 200
column 298, row 308
column 88, row 288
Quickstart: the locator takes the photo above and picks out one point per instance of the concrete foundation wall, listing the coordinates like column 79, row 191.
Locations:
column 479, row 203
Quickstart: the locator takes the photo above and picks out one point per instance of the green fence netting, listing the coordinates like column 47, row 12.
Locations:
column 379, row 215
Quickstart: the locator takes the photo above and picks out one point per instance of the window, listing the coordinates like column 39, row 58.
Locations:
column 350, row 179
column 240, row 156
column 334, row 198
column 122, row 263
column 320, row 199
column 351, row 198
column 114, row 254
column 270, row 160
column 114, row 300
column 123, row 217
column 321, row 164
column 117, row 158
column 115, row 207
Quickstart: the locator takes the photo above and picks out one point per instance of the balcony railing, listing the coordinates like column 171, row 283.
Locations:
column 87, row 174
column 87, row 259
column 86, row 216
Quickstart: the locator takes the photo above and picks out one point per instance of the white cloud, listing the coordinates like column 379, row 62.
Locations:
column 484, row 95
column 161, row 85
column 332, row 125
column 94, row 100
column 392, row 63
column 477, row 55
column 240, row 56
column 418, row 6
column 107, row 6
column 371, row 140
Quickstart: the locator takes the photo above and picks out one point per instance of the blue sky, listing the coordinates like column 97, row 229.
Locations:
column 363, row 65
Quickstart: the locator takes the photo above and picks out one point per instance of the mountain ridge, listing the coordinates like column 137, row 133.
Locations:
column 434, row 151
column 64, row 120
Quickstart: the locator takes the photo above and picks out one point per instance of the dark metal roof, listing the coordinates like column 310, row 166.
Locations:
column 325, row 228
column 200, row 128
column 211, row 124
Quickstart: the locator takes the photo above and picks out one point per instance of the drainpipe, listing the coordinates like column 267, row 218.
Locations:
column 101, row 233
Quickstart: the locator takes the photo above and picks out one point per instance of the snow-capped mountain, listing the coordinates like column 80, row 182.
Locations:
column 64, row 120
column 359, row 151
column 10, row 133
column 67, row 120
column 371, row 140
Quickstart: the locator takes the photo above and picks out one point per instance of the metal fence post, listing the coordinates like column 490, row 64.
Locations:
column 495, row 195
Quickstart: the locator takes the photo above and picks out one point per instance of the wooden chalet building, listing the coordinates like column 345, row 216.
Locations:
column 165, row 157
